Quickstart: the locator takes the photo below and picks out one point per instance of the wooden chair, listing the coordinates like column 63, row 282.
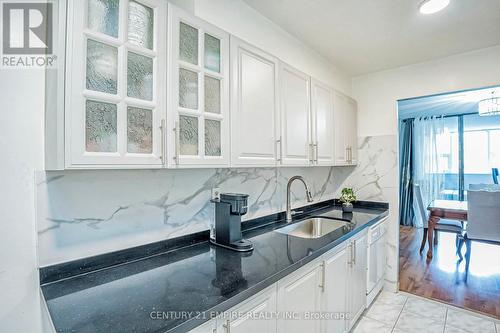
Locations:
column 456, row 227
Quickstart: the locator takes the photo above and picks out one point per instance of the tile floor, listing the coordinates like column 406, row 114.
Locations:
column 405, row 313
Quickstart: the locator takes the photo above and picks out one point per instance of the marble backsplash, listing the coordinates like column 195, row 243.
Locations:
column 89, row 212
column 376, row 178
column 84, row 213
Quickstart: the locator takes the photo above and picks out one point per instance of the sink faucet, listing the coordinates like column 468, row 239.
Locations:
column 289, row 212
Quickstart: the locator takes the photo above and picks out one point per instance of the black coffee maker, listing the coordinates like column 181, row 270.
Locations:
column 228, row 211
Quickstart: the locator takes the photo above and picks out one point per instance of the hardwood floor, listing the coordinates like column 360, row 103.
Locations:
column 444, row 277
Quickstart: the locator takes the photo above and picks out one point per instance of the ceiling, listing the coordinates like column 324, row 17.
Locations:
column 446, row 104
column 363, row 36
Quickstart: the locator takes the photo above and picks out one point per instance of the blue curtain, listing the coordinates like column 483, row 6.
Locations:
column 406, row 213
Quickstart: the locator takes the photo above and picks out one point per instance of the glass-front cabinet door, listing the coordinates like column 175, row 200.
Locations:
column 198, row 124
column 115, row 83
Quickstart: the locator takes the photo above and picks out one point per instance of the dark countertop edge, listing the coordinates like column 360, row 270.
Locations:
column 192, row 323
column 54, row 273
column 57, row 272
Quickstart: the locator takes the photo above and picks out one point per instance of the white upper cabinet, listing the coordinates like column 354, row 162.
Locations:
column 115, row 101
column 322, row 124
column 295, row 117
column 198, row 122
column 144, row 84
column 352, row 130
column 345, row 130
column 254, row 106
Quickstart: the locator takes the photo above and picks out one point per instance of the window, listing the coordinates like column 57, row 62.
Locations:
column 448, row 166
column 480, row 153
column 481, row 148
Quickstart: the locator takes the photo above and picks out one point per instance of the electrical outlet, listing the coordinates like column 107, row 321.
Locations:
column 215, row 193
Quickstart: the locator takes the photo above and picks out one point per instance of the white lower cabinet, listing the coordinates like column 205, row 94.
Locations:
column 255, row 315
column 299, row 297
column 356, row 284
column 376, row 260
column 334, row 300
column 332, row 286
column 208, row 327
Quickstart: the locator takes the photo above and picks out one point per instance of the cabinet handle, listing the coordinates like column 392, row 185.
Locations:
column 176, row 131
column 350, row 255
column 311, row 153
column 354, row 253
column 279, row 144
column 162, row 141
column 323, row 272
column 349, row 154
column 227, row 326
column 316, row 152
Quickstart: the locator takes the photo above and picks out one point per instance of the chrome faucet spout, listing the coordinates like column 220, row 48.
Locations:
column 309, row 197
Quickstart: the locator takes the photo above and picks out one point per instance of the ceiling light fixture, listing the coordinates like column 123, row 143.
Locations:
column 433, row 6
column 489, row 106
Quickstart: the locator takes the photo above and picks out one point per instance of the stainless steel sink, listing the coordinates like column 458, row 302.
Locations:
column 315, row 227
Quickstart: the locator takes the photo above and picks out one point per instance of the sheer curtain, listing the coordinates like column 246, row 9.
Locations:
column 426, row 171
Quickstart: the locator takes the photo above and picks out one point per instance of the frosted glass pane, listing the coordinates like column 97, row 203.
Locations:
column 103, row 16
column 140, row 25
column 102, row 64
column 212, row 95
column 212, row 53
column 100, row 127
column 139, row 76
column 139, row 130
column 212, row 137
column 188, row 43
column 188, row 135
column 188, row 89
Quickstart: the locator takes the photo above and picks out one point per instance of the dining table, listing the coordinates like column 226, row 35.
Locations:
column 443, row 209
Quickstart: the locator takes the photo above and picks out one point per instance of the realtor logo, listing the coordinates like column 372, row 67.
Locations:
column 27, row 28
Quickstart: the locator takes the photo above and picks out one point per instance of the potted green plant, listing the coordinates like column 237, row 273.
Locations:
column 347, row 197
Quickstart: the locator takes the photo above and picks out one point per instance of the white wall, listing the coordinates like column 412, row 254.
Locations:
column 377, row 93
column 244, row 22
column 21, row 151
column 377, row 96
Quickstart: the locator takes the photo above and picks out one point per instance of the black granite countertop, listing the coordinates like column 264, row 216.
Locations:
column 196, row 281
